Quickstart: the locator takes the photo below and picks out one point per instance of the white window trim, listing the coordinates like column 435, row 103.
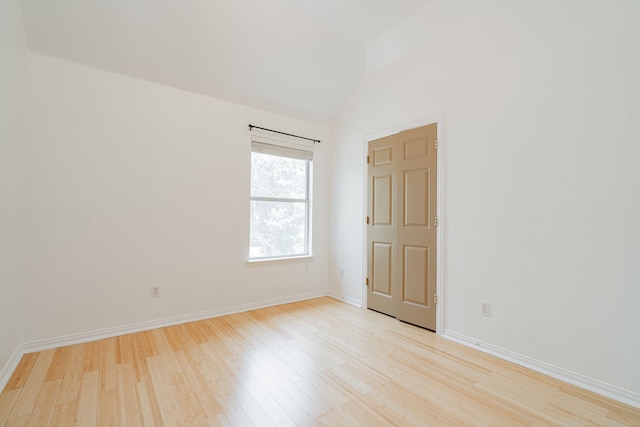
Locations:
column 296, row 150
column 301, row 258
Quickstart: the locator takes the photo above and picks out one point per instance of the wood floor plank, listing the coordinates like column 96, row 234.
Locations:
column 140, row 349
column 146, row 411
column 234, row 413
column 309, row 404
column 92, row 356
column 425, row 408
column 189, row 405
column 108, row 408
column 165, row 395
column 33, row 386
column 18, row 421
column 72, row 375
column 87, row 409
column 256, row 414
column 43, row 411
column 318, row 362
column 108, row 366
column 219, row 421
column 206, row 400
column 295, row 412
column 127, row 394
column 179, row 338
column 8, row 399
column 58, row 365
column 22, row 372
column 165, row 352
column 64, row 414
column 365, row 416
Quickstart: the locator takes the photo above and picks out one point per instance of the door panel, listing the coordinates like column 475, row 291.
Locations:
column 382, row 202
column 402, row 234
column 415, row 148
column 381, row 276
column 382, row 155
column 415, row 275
column 416, row 190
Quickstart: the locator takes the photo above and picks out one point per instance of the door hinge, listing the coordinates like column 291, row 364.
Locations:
column 435, row 221
column 436, row 144
column 367, row 220
column 435, row 298
column 367, row 158
column 366, row 281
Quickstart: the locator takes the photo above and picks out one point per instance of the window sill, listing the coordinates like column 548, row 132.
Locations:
column 302, row 258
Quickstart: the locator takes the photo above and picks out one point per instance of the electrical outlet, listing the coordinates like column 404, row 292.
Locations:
column 485, row 309
column 155, row 291
column 342, row 274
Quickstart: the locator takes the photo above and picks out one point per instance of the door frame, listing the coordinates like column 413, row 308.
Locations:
column 438, row 119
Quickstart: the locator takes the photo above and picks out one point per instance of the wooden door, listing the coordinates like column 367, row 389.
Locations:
column 401, row 232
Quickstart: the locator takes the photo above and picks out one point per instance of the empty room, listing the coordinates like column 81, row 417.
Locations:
column 319, row 212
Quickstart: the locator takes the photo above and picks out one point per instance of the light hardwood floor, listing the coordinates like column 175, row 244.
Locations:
column 318, row 362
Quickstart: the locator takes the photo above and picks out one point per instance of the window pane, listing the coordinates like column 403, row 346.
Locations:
column 275, row 176
column 277, row 229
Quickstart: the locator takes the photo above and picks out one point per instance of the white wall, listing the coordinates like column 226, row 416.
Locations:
column 132, row 185
column 12, row 78
column 542, row 207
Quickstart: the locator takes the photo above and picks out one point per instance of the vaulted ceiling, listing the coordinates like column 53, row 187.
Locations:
column 297, row 57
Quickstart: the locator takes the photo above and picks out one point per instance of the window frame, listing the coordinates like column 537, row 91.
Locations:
column 287, row 149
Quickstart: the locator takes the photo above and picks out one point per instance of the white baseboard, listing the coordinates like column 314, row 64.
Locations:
column 49, row 343
column 345, row 298
column 587, row 383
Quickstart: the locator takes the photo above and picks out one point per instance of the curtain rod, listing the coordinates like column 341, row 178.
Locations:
column 284, row 133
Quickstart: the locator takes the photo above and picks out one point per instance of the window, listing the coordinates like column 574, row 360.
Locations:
column 280, row 199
